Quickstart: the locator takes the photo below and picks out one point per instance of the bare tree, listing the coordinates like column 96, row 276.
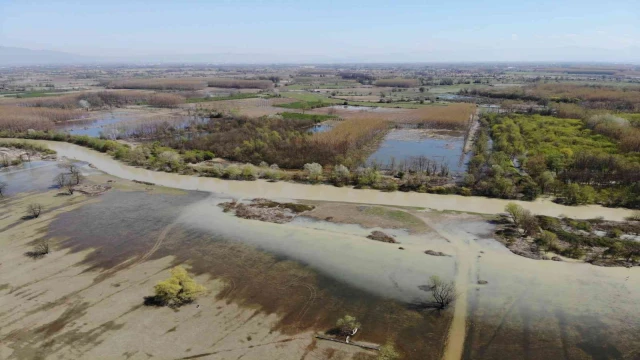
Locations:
column 444, row 294
column 34, row 210
column 74, row 174
column 3, row 187
column 64, row 181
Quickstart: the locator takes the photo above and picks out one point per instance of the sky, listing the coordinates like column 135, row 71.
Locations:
column 330, row 31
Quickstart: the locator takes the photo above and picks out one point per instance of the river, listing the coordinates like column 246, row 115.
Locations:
column 288, row 190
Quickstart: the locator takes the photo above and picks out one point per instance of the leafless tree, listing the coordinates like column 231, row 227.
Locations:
column 65, row 181
column 444, row 294
column 3, row 187
column 74, row 174
column 34, row 210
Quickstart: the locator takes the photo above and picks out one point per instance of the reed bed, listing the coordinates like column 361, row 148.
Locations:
column 452, row 117
column 159, row 84
column 166, row 100
column 241, row 83
column 17, row 119
column 349, row 140
column 101, row 99
column 402, row 83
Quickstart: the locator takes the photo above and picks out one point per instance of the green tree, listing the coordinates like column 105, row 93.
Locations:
column 177, row 290
column 347, row 325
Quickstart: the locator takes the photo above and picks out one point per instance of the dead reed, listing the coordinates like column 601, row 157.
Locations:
column 159, row 84
column 241, row 83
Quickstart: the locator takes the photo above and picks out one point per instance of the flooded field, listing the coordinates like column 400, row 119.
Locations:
column 309, row 272
column 443, row 147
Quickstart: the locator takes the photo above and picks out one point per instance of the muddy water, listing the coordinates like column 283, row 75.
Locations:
column 308, row 276
column 325, row 192
column 532, row 309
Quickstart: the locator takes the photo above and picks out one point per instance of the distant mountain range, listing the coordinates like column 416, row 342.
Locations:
column 15, row 56
column 20, row 56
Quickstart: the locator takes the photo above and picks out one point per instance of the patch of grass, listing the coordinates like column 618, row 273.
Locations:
column 304, row 105
column 396, row 215
column 296, row 208
column 314, row 117
column 221, row 98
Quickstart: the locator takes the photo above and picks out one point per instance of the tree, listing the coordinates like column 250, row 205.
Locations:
column 347, row 325
column 3, row 188
column 34, row 210
column 421, row 89
column 177, row 290
column 63, row 181
column 444, row 294
column 516, row 212
column 530, row 224
column 75, row 176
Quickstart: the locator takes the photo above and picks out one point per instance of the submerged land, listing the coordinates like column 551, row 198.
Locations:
column 299, row 195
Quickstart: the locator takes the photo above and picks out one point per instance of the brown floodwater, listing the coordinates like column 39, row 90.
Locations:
column 311, row 273
column 308, row 289
column 289, row 190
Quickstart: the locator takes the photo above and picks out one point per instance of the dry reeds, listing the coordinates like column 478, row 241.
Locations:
column 101, row 99
column 452, row 117
column 159, row 84
column 16, row 118
column 165, row 100
column 402, row 83
column 350, row 135
column 241, row 84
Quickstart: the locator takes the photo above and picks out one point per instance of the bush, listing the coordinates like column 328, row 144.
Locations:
column 232, row 172
column 548, row 240
column 614, row 233
column 340, row 175
column 313, row 171
column 367, row 177
column 177, row 290
column 347, row 325
column 248, row 172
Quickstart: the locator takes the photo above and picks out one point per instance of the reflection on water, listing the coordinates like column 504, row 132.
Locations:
column 91, row 128
column 318, row 128
column 403, row 144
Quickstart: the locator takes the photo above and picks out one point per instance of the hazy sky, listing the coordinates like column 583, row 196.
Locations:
column 416, row 30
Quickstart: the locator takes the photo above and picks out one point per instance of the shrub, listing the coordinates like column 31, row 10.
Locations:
column 248, row 172
column 368, row 176
column 347, row 325
column 614, row 233
column 313, row 172
column 177, row 290
column 340, row 175
column 34, row 210
column 388, row 352
column 232, row 172
column 548, row 240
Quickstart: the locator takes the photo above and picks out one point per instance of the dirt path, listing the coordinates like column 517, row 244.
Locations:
column 466, row 272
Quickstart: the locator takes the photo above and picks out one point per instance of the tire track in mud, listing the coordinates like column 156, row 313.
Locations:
column 466, row 270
